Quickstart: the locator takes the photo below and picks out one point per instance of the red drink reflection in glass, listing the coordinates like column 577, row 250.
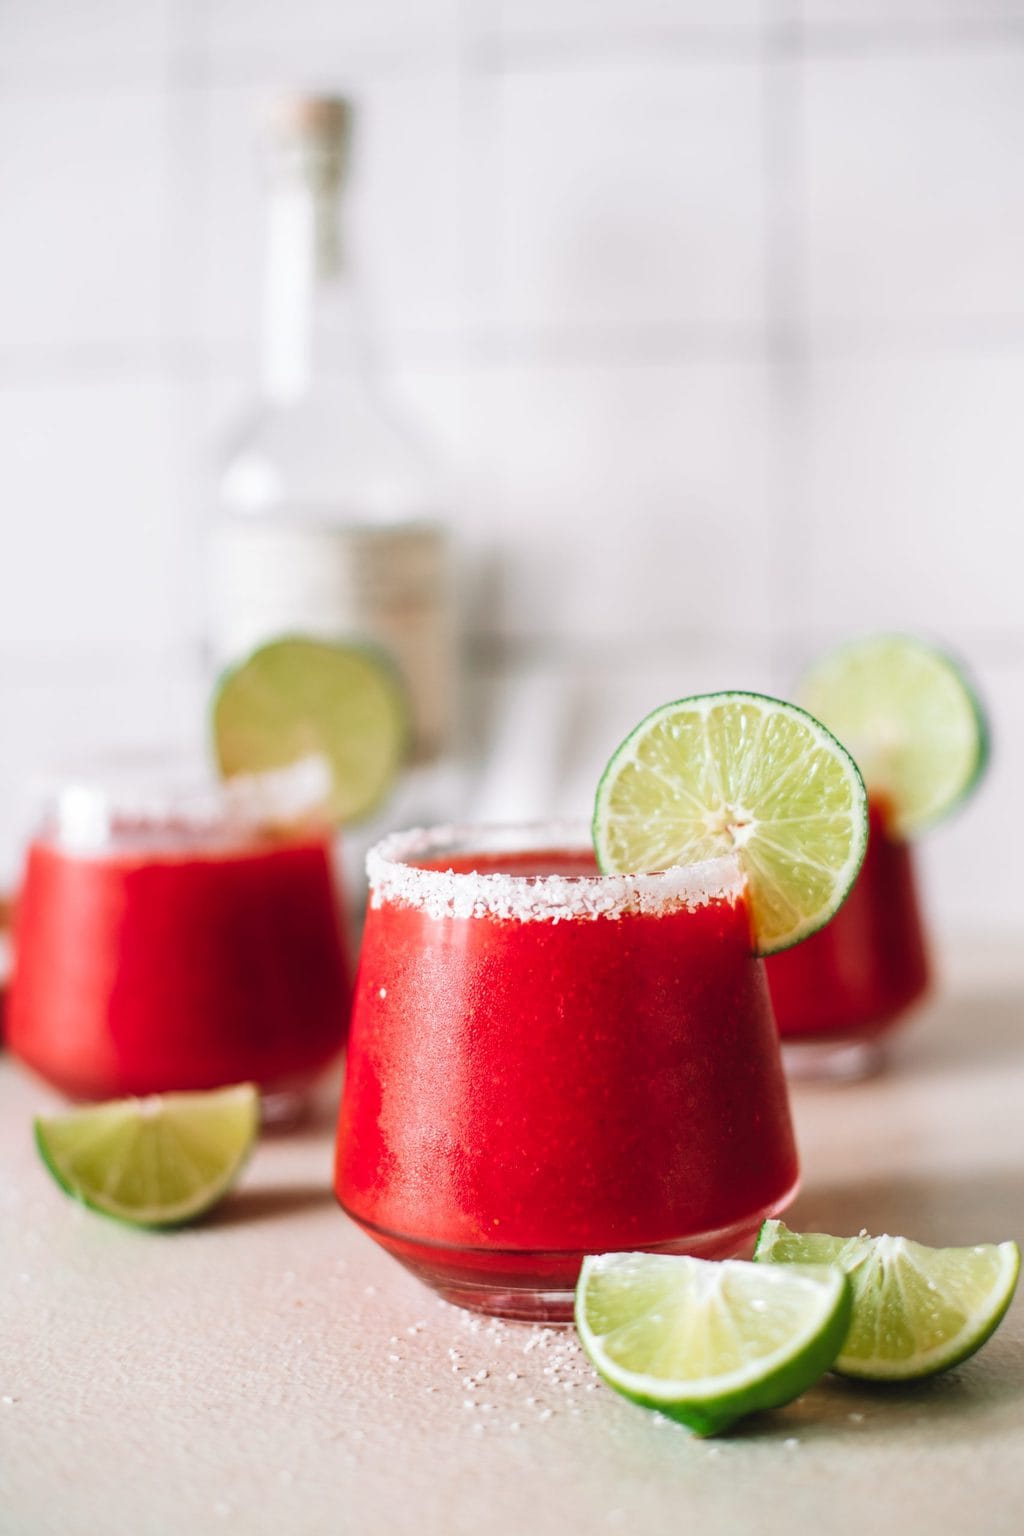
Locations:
column 847, row 985
column 545, row 1063
column 179, row 953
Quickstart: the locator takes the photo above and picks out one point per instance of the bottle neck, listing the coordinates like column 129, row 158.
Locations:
column 312, row 325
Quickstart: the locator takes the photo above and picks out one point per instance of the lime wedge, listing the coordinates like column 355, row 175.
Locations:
column 916, row 1310
column 154, row 1162
column 296, row 698
column 738, row 772
column 707, row 1343
column 911, row 720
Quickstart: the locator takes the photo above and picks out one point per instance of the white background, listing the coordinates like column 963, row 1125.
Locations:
column 714, row 308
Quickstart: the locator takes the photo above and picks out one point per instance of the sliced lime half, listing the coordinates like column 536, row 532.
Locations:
column 910, row 718
column 738, row 772
column 916, row 1310
column 153, row 1162
column 707, row 1343
column 297, row 698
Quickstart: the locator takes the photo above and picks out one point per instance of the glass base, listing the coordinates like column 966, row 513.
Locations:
column 834, row 1061
column 539, row 1287
column 282, row 1109
column 291, row 1102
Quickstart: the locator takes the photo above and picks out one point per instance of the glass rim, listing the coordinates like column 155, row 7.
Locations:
column 396, row 879
column 145, row 801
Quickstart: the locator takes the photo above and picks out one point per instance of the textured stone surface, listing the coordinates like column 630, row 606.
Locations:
column 273, row 1372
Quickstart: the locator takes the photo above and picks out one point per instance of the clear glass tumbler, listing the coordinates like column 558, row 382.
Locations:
column 168, row 936
column 838, row 995
column 547, row 1062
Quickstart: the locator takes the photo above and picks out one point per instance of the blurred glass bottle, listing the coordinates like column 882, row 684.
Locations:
column 327, row 519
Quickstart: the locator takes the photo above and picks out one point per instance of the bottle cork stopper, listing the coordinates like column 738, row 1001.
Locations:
column 316, row 126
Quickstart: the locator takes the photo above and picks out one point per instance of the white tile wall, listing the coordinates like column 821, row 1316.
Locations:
column 580, row 22
column 649, row 482
column 914, row 202
column 615, row 220
column 83, row 184
column 100, row 531
column 934, row 15
column 713, row 308
column 912, row 499
column 318, row 36
column 104, row 41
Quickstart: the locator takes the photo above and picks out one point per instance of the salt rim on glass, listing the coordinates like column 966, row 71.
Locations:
column 396, row 879
column 143, row 801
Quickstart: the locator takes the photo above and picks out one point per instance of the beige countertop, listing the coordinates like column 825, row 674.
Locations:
column 273, row 1372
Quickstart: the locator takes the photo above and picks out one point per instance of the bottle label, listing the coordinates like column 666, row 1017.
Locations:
column 389, row 586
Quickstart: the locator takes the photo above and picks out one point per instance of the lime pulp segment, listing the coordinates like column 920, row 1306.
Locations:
column 739, row 773
column 299, row 697
column 916, row 1310
column 707, row 1343
column 911, row 720
column 153, row 1162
